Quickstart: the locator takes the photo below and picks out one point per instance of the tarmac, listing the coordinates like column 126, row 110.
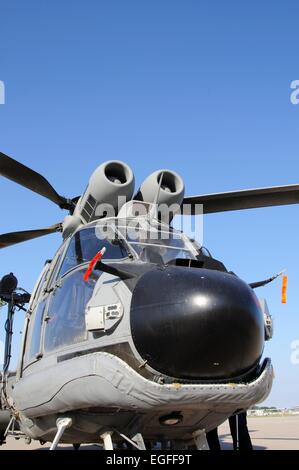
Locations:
column 266, row 432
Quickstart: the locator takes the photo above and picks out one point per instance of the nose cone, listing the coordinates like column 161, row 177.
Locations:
column 196, row 323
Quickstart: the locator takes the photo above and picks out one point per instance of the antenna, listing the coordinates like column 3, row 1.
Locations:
column 154, row 212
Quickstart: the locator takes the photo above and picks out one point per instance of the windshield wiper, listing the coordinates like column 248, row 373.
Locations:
column 121, row 273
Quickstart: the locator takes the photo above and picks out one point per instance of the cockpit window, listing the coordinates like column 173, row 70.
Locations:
column 85, row 244
column 156, row 243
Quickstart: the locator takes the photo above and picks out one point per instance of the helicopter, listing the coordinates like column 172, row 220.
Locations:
column 134, row 334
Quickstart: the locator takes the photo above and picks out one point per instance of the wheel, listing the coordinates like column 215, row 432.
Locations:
column 76, row 446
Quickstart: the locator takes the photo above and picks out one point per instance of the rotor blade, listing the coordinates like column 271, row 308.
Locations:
column 244, row 199
column 12, row 238
column 28, row 178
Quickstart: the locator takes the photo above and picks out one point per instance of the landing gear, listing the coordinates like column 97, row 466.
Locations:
column 107, row 440
column 62, row 424
column 135, row 441
column 200, row 440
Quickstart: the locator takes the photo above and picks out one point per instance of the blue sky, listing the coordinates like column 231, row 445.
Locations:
column 201, row 87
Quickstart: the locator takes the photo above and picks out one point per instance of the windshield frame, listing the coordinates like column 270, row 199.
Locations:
column 113, row 227
column 158, row 227
column 122, row 247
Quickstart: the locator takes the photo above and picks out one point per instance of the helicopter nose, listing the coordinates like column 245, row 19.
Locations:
column 196, row 324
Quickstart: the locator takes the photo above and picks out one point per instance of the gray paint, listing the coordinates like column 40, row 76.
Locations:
column 101, row 380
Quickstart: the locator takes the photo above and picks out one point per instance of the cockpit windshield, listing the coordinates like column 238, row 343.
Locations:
column 156, row 243
column 85, row 244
